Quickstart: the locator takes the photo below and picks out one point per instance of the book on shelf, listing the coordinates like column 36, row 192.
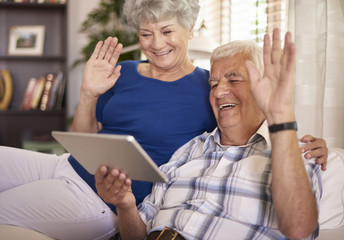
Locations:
column 47, row 88
column 45, row 93
column 33, row 93
column 56, row 92
column 60, row 92
column 37, row 95
column 28, row 94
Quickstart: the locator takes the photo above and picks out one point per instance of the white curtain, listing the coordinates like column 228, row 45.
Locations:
column 318, row 29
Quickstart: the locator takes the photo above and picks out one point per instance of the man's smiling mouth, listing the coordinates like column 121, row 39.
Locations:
column 227, row 106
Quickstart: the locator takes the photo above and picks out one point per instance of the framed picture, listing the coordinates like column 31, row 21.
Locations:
column 26, row 40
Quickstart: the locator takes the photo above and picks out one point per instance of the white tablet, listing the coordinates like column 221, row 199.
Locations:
column 116, row 151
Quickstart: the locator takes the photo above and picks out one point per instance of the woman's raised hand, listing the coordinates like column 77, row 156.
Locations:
column 100, row 72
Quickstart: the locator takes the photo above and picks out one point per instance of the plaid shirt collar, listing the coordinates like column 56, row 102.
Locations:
column 213, row 138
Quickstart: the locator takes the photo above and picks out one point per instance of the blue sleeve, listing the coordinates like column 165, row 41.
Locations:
column 102, row 100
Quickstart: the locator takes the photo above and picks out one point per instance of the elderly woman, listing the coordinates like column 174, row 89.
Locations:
column 162, row 102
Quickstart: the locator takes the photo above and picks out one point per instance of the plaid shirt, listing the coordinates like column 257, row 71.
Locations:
column 220, row 192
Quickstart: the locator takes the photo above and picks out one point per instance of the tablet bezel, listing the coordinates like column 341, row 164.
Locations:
column 116, row 151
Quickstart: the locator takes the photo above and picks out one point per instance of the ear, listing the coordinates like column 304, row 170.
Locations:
column 191, row 35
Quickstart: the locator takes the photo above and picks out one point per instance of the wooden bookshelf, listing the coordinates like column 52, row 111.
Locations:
column 15, row 125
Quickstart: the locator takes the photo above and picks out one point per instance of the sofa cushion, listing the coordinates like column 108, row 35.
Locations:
column 331, row 214
column 8, row 232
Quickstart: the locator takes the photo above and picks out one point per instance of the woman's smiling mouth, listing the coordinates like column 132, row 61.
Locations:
column 162, row 53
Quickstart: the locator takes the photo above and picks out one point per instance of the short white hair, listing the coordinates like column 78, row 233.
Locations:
column 246, row 47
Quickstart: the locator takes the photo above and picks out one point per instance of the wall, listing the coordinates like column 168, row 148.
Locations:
column 77, row 13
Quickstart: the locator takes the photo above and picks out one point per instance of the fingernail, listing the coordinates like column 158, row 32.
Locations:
column 114, row 173
column 121, row 176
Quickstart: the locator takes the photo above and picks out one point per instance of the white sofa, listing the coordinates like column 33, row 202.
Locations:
column 331, row 216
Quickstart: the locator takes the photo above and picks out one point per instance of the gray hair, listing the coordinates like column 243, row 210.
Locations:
column 247, row 47
column 138, row 11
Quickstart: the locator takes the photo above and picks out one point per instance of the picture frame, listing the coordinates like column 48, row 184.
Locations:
column 26, row 40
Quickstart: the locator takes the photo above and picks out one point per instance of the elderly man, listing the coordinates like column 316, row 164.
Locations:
column 245, row 180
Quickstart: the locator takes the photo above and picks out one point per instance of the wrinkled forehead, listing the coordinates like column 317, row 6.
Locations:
column 229, row 65
column 152, row 19
column 161, row 23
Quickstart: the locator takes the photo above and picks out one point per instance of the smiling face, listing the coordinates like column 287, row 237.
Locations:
column 165, row 44
column 230, row 96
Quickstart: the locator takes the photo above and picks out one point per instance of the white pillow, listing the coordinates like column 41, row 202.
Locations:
column 331, row 214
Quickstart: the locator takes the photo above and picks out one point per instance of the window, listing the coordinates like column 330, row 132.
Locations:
column 215, row 14
column 227, row 20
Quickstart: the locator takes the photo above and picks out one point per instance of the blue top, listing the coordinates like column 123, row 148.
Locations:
column 162, row 116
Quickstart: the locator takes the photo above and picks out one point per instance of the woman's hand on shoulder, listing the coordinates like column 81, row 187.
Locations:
column 100, row 72
column 315, row 148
